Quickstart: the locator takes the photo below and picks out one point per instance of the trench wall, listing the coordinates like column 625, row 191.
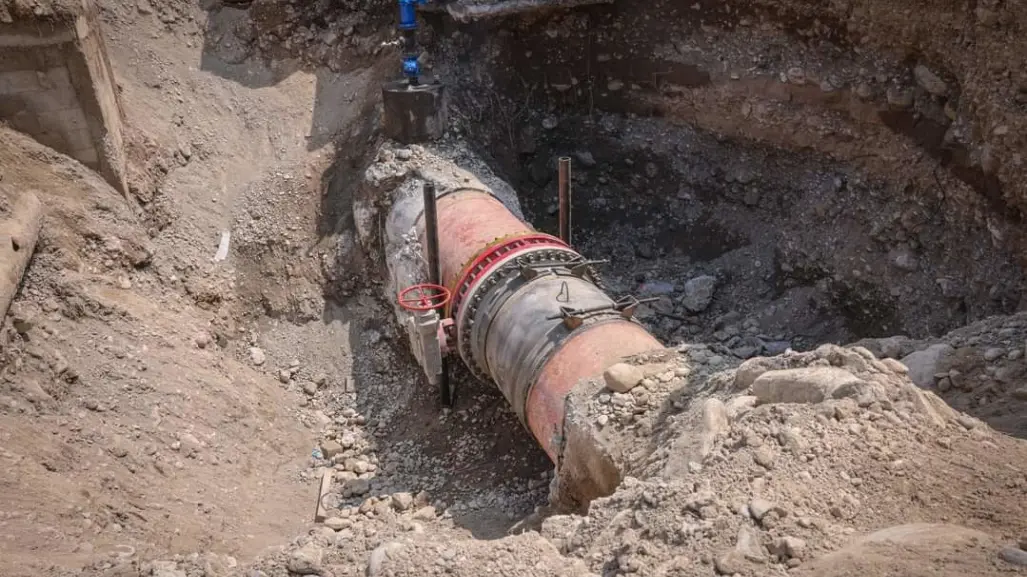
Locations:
column 56, row 85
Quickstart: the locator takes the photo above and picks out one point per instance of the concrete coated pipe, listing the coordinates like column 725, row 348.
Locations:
column 526, row 310
column 518, row 298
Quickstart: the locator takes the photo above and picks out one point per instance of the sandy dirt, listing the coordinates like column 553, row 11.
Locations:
column 166, row 414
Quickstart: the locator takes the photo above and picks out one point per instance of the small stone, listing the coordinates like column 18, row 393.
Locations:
column 930, row 81
column 284, row 376
column 790, row 547
column 764, row 456
column 994, row 354
column 201, row 340
column 699, row 293
column 337, row 523
column 257, row 356
column 944, row 384
column 309, row 388
column 306, row 560
column 1014, row 556
column 357, row 487
column 330, row 449
column 426, row 513
column 622, row 377
column 748, row 545
column 402, row 501
column 796, row 75
column 614, row 85
column 1020, row 394
column 760, row 507
column 404, row 154
column 550, row 122
column 585, row 157
column 900, row 98
column 124, row 283
column 730, row 563
column 905, row 260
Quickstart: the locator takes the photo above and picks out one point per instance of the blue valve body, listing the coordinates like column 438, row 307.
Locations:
column 408, row 14
column 408, row 25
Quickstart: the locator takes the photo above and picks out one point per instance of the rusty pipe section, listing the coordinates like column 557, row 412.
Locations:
column 527, row 311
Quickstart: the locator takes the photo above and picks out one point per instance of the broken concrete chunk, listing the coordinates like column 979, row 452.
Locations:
column 808, row 385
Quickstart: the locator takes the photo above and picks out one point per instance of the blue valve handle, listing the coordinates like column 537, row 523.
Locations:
column 408, row 26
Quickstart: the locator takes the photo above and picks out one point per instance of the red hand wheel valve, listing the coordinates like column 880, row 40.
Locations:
column 424, row 297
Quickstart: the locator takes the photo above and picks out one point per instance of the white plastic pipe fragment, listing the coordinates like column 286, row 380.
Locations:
column 222, row 252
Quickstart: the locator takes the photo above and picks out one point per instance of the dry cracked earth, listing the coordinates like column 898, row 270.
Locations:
column 824, row 198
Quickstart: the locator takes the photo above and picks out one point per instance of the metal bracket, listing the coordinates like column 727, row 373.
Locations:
column 626, row 306
column 426, row 331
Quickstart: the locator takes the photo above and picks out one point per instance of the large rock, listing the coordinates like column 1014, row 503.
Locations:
column 622, row 377
column 923, row 365
column 699, row 293
column 750, row 370
column 807, row 385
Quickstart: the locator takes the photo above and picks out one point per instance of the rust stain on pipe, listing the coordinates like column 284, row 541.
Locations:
column 469, row 222
column 586, row 354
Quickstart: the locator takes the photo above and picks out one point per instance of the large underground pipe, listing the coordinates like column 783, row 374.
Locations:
column 527, row 313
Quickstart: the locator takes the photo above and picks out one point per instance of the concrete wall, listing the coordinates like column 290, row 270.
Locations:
column 56, row 85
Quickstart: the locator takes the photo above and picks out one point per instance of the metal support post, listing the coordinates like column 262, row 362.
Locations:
column 565, row 199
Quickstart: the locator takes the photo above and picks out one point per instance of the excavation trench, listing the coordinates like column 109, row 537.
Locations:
column 754, row 249
column 749, row 249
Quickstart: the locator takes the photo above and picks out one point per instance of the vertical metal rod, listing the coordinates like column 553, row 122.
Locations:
column 565, row 199
column 431, row 233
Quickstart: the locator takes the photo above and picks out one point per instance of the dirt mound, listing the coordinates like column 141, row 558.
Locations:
column 830, row 447
column 116, row 403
